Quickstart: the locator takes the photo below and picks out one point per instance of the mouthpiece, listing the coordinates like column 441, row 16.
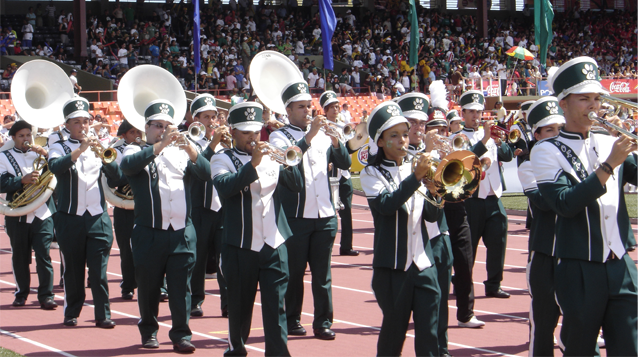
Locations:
column 592, row 116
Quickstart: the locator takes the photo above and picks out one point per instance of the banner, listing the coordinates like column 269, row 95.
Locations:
column 620, row 86
column 542, row 88
column 196, row 38
column 359, row 158
column 328, row 26
column 491, row 88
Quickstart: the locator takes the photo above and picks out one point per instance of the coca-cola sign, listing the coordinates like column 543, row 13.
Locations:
column 620, row 86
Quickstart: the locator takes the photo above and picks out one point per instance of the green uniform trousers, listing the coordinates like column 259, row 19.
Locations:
column 544, row 311
column 157, row 253
column 84, row 240
column 312, row 242
column 244, row 270
column 346, row 222
column 23, row 238
column 208, row 226
column 400, row 292
column 443, row 258
column 123, row 226
column 593, row 294
column 488, row 220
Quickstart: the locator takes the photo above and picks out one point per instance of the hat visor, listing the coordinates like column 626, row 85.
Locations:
column 78, row 113
column 252, row 126
column 164, row 117
column 455, row 118
column 549, row 120
column 205, row 108
column 393, row 121
column 473, row 106
column 415, row 114
column 437, row 122
column 590, row 87
column 330, row 101
column 299, row 97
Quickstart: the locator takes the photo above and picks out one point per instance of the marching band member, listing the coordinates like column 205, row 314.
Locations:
column 123, row 218
column 486, row 215
column 404, row 278
column 255, row 229
column 331, row 107
column 580, row 174
column 415, row 108
column 521, row 147
column 163, row 239
column 544, row 312
column 206, row 213
column 311, row 212
column 461, row 243
column 33, row 230
column 82, row 224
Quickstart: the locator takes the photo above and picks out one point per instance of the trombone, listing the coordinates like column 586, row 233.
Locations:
column 290, row 156
column 30, row 192
column 594, row 117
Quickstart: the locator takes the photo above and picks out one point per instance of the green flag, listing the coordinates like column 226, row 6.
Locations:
column 544, row 33
column 414, row 43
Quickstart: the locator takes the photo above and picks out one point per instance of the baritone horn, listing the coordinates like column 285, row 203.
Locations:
column 31, row 192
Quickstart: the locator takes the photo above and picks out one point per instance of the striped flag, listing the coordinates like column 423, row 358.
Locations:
column 328, row 26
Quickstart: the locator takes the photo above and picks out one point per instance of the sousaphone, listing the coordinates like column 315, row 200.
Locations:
column 269, row 73
column 39, row 90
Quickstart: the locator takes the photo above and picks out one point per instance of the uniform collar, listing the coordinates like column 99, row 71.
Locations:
column 18, row 150
column 467, row 129
column 573, row 135
column 457, row 132
column 296, row 127
column 66, row 130
column 389, row 163
column 240, row 152
column 73, row 141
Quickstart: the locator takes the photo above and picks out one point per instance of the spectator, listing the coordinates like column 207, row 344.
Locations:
column 155, row 53
column 365, row 116
column 74, row 81
column 344, row 81
column 27, row 32
column 313, row 77
column 123, row 54
column 51, row 13
column 346, row 115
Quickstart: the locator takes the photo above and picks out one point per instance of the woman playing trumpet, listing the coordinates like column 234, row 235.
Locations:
column 404, row 275
column 82, row 217
column 34, row 230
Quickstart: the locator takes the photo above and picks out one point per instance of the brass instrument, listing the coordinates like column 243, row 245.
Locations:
column 106, row 155
column 30, row 192
column 344, row 132
column 617, row 104
column 453, row 178
column 502, row 134
column 290, row 156
column 594, row 117
column 226, row 139
column 125, row 193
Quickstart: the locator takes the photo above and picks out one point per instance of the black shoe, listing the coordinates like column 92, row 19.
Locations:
column 70, row 321
column 324, row 334
column 150, row 343
column 164, row 296
column 297, row 329
column 349, row 252
column 19, row 302
column 127, row 295
column 48, row 304
column 225, row 312
column 106, row 324
column 197, row 311
column 445, row 355
column 501, row 294
column 184, row 346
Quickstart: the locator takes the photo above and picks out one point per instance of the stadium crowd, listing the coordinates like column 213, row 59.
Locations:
column 374, row 45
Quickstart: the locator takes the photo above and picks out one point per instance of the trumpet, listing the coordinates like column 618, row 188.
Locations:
column 226, row 138
column 196, row 132
column 30, row 192
column 106, row 155
column 337, row 130
column 594, row 117
column 498, row 132
column 290, row 156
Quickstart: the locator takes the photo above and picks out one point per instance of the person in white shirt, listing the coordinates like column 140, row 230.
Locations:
column 346, row 115
column 163, row 240
column 313, row 78
column 74, row 81
column 509, row 40
column 317, row 33
column 123, row 56
column 27, row 34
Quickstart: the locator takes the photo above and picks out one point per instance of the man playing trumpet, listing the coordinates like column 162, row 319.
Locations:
column 311, row 213
column 255, row 230
column 33, row 230
column 82, row 224
column 164, row 239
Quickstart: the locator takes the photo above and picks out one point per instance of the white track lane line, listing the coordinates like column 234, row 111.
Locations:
column 32, row 342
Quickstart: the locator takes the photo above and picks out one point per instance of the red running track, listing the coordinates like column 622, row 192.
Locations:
column 34, row 332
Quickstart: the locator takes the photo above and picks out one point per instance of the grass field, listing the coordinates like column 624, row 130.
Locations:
column 8, row 353
column 515, row 201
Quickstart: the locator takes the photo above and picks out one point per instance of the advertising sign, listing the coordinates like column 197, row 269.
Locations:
column 359, row 158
